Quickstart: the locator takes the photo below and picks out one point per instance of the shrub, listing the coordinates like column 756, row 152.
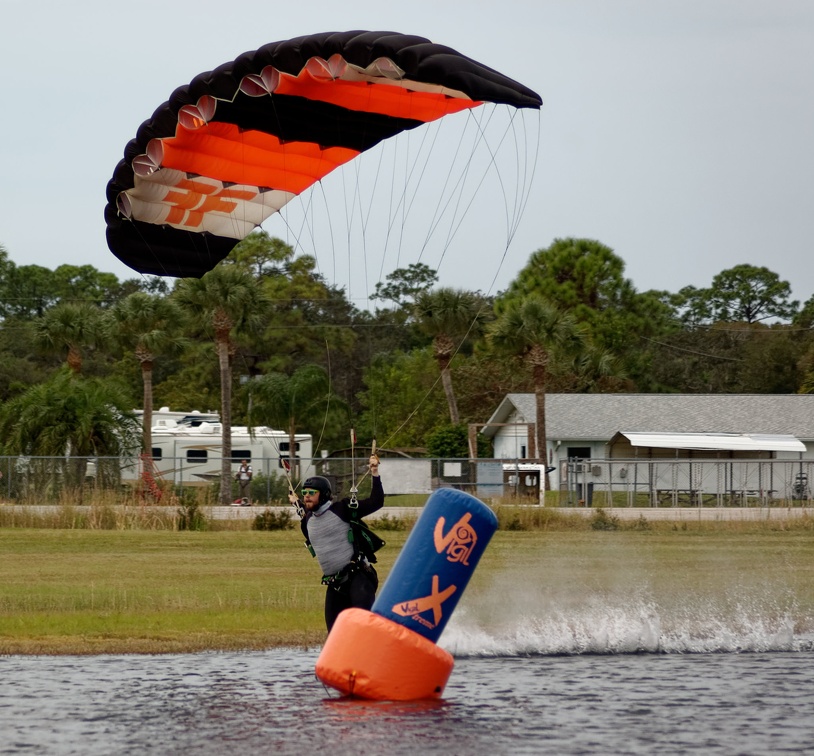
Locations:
column 190, row 516
column 270, row 520
column 536, row 518
column 603, row 521
column 385, row 522
column 513, row 524
column 641, row 524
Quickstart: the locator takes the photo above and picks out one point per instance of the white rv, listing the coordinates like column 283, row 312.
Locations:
column 167, row 418
column 187, row 450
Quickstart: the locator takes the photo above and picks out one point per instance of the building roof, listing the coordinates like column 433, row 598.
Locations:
column 597, row 417
column 714, row 441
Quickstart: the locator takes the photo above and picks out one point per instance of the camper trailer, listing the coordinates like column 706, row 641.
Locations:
column 167, row 418
column 186, row 450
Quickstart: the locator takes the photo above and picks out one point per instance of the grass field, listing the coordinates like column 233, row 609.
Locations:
column 78, row 591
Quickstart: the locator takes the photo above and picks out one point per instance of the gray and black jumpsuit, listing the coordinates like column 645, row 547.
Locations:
column 351, row 580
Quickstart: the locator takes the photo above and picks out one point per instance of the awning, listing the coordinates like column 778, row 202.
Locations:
column 714, row 441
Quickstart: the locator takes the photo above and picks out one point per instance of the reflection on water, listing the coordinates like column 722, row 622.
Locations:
column 270, row 702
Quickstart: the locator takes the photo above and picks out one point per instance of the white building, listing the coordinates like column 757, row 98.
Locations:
column 604, row 426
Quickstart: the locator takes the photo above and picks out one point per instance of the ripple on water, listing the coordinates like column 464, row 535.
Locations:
column 271, row 702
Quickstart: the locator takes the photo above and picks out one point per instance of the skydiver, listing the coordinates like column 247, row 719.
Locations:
column 334, row 537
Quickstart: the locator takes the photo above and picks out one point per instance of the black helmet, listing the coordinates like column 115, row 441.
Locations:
column 323, row 485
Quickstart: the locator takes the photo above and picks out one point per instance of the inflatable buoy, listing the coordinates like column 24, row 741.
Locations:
column 368, row 656
column 390, row 652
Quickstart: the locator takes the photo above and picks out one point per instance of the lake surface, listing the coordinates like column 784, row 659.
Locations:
column 623, row 689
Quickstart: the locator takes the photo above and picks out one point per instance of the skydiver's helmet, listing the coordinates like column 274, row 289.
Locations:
column 321, row 484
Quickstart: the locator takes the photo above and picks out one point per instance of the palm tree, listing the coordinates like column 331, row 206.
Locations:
column 225, row 301
column 72, row 327
column 597, row 370
column 80, row 417
column 449, row 316
column 289, row 401
column 149, row 325
column 535, row 330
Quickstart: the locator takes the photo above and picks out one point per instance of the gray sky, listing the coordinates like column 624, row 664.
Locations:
column 680, row 133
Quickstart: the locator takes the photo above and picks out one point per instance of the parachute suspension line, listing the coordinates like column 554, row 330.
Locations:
column 457, row 193
column 390, row 213
column 374, row 404
column 530, row 180
column 353, row 205
column 354, row 490
column 451, row 191
column 522, row 194
column 306, row 230
column 327, row 405
column 414, row 412
column 526, row 194
column 330, row 229
column 373, row 453
column 365, row 221
column 328, row 401
column 275, row 444
column 523, row 181
column 398, row 198
column 460, row 215
column 520, row 189
column 441, row 206
column 297, row 235
column 401, row 207
column 434, row 385
column 409, row 196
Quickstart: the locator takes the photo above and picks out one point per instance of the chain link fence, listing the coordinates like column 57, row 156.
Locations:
column 594, row 482
column 686, row 482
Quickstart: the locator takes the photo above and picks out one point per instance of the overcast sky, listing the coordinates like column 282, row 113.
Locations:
column 680, row 133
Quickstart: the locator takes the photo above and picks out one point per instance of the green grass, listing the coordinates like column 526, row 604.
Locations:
column 83, row 591
column 154, row 591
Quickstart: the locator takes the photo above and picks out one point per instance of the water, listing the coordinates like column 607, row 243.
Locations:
column 497, row 702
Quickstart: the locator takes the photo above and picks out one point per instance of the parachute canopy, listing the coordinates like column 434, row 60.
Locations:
column 236, row 144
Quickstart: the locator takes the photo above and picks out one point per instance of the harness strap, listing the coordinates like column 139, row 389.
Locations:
column 350, row 569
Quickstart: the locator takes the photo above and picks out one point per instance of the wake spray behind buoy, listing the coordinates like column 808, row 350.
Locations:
column 390, row 652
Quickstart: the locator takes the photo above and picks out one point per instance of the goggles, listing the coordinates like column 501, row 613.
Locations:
column 309, row 491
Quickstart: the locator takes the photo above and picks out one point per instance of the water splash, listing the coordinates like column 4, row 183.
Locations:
column 627, row 623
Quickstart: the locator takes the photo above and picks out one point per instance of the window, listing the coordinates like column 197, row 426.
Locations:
column 157, row 453
column 238, row 455
column 285, row 446
column 197, row 455
column 579, row 452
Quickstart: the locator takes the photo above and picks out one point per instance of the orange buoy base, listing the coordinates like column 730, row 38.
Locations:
column 369, row 656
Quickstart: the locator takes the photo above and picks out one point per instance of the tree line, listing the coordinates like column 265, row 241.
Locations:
column 264, row 339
